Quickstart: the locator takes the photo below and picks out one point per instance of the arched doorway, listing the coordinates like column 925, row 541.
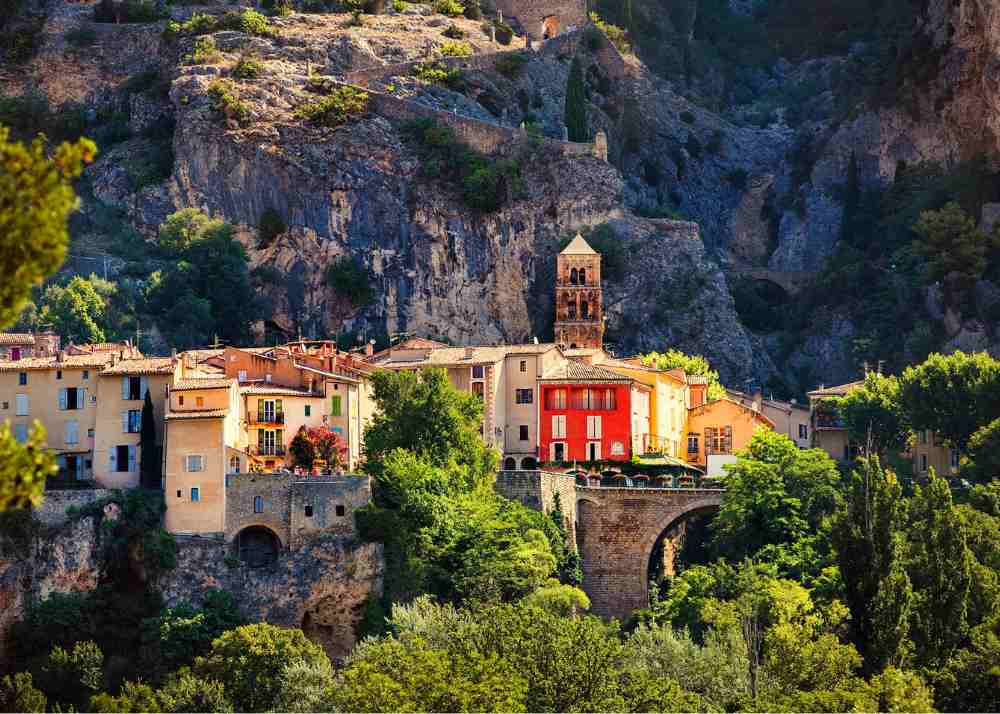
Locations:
column 550, row 27
column 528, row 464
column 682, row 543
column 257, row 546
column 509, row 464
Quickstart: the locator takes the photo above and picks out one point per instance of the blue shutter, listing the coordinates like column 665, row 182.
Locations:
column 113, row 458
column 125, row 388
column 143, row 386
column 62, row 397
column 131, row 459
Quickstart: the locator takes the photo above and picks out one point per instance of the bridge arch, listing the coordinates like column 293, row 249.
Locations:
column 257, row 545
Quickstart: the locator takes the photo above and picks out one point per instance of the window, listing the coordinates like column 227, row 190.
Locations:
column 594, row 451
column 195, row 494
column 15, row 353
column 132, row 421
column 6, row 406
column 584, row 310
column 258, row 504
column 58, row 374
column 234, row 464
column 571, row 313
column 178, row 493
column 180, row 400
column 194, row 463
column 71, row 398
column 90, row 433
column 72, row 432
column 340, row 510
column 524, row 365
column 719, row 440
column 593, row 428
column 524, row 396
column 309, row 511
column 559, row 452
column 122, row 458
column 479, row 389
column 692, row 444
column 803, row 431
column 523, row 432
column 20, row 433
column 556, row 398
column 335, row 405
column 558, row 426
column 241, row 375
column 85, row 374
column 583, row 276
column 21, row 405
column 133, row 388
column 308, row 410
column 337, row 430
column 22, row 378
column 478, row 371
column 199, row 401
column 267, row 378
column 923, row 463
column 923, row 436
column 573, row 279
column 617, row 448
column 953, row 456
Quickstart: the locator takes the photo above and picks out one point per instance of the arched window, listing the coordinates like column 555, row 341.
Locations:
column 572, row 276
column 258, row 504
column 571, row 311
column 584, row 310
column 234, row 464
column 583, row 276
column 529, row 464
column 509, row 464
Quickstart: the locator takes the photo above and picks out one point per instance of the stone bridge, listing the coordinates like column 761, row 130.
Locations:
column 615, row 529
column 790, row 281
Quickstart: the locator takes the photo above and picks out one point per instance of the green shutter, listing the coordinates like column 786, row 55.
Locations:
column 277, row 407
column 335, row 406
column 260, row 440
column 260, row 411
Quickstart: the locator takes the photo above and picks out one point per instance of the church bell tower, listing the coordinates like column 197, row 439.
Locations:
column 579, row 300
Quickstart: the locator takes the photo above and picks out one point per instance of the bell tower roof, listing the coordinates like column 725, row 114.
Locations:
column 578, row 246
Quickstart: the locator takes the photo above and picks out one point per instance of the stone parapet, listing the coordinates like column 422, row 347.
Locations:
column 52, row 512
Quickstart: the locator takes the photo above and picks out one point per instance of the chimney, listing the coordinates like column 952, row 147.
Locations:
column 469, row 351
column 61, row 356
column 370, row 348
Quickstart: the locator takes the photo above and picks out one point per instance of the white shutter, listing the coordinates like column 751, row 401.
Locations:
column 142, row 387
column 72, row 432
column 125, row 388
column 597, row 427
column 131, row 459
column 22, row 405
column 125, row 422
column 62, row 398
column 112, row 458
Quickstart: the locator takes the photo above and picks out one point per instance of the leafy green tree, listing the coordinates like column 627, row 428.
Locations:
column 306, row 687
column 184, row 692
column 564, row 600
column 873, row 416
column 183, row 633
column 134, row 697
column 970, row 682
column 71, row 677
column 249, row 660
column 984, row 453
column 18, row 694
column 576, row 104
column 897, row 690
column 186, row 227
column 24, row 468
column 776, row 495
column 78, row 311
column 691, row 364
column 953, row 395
column 149, row 464
column 868, row 540
column 954, row 248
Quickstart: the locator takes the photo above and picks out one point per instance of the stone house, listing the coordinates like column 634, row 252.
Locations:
column 828, row 430
column 544, row 19
column 18, row 345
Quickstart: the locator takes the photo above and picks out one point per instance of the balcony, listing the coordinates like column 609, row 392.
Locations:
column 267, row 450
column 254, row 418
column 828, row 421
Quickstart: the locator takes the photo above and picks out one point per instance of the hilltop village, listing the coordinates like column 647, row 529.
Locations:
column 219, row 414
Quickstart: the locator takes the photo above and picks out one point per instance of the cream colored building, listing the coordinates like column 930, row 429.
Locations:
column 789, row 418
column 930, row 453
column 669, row 398
column 122, row 391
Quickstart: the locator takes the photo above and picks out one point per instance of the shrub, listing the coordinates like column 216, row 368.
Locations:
column 511, row 65
column 271, row 226
column 687, row 117
column 504, row 32
column 400, row 5
column 436, row 73
column 715, row 143
column 248, row 66
column 618, row 36
column 456, row 49
column 473, row 9
column 127, row 11
column 81, row 36
column 451, row 8
column 20, row 44
column 336, row 108
column 349, row 279
column 249, row 21
column 204, row 52
column 224, row 98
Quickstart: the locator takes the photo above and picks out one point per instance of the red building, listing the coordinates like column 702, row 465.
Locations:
column 588, row 413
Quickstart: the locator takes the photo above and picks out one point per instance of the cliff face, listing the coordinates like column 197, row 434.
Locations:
column 321, row 588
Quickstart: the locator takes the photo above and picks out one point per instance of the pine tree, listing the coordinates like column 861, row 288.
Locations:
column 149, row 465
column 576, row 104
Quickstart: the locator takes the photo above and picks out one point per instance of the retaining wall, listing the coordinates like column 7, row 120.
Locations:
column 52, row 512
column 537, row 490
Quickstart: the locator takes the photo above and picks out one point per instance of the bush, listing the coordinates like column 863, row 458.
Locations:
column 81, row 36
column 451, row 8
column 127, row 11
column 249, row 66
column 511, row 65
column 617, row 36
column 738, row 178
column 454, row 32
column 224, row 98
column 456, row 49
column 687, row 117
column 400, row 5
column 436, row 73
column 20, row 44
column 473, row 9
column 349, row 278
column 504, row 32
column 249, row 21
column 341, row 104
column 204, row 52
column 271, row 226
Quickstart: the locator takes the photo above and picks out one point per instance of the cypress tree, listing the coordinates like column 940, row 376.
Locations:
column 149, row 464
column 576, row 104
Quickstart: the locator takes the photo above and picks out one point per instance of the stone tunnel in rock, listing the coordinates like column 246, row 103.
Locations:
column 257, row 546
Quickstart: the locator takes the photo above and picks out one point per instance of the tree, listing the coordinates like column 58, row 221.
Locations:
column 564, row 600
column 301, row 449
column 868, row 540
column 72, row 677
column 984, row 453
column 954, row 248
column 953, row 395
column 576, row 104
column 18, row 694
column 691, row 364
column 36, row 198
column 872, row 415
column 306, row 687
column 183, row 633
column 970, row 681
column 776, row 495
column 249, row 660
column 149, row 464
column 319, row 443
column 186, row 227
column 184, row 692
column 79, row 311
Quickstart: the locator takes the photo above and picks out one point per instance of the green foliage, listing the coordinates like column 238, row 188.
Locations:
column 336, row 108
column 18, row 529
column 437, row 73
column 971, row 680
column 871, row 414
column 511, row 64
column 557, row 598
column 575, row 111
column 455, row 49
column 78, row 310
column 248, row 21
column 618, row 36
column 25, row 468
column 224, row 98
column 72, row 677
column 18, row 694
column 81, row 37
column 777, row 495
column 691, row 364
column 149, row 461
column 870, row 554
column 984, row 454
column 954, row 248
column 204, row 52
column 486, row 184
column 249, row 66
column 349, row 278
column 248, row 661
column 451, row 8
column 953, row 395
column 183, row 633
column 454, row 32
column 127, row 11
column 270, row 227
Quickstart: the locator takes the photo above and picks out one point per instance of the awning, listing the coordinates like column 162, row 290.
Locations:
column 665, row 460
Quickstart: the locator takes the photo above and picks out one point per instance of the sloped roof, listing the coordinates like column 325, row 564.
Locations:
column 208, row 383
column 277, row 390
column 50, row 362
column 149, row 365
column 838, row 391
column 717, row 402
column 195, row 414
column 578, row 246
column 573, row 371
column 16, row 338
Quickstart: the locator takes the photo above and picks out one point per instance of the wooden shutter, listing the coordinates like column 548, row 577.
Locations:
column 260, row 411
column 335, row 406
column 279, row 439
column 125, row 422
column 709, row 439
column 277, row 408
column 727, row 439
column 113, row 458
column 125, row 388
column 143, row 386
column 260, row 438
column 131, row 459
column 63, row 399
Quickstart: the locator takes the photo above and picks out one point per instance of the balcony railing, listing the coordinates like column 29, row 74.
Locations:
column 255, row 418
column 267, row 450
column 828, row 421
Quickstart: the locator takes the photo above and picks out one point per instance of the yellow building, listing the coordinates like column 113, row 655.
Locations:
column 718, row 429
column 930, row 453
column 61, row 392
column 202, row 443
column 828, row 430
column 668, row 397
column 122, row 391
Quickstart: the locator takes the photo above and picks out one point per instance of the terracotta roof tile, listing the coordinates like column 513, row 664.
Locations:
column 573, row 371
column 194, row 414
column 208, row 383
column 277, row 390
column 150, row 365
column 16, row 338
column 838, row 391
column 70, row 362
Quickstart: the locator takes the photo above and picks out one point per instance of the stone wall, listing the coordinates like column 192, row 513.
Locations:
column 52, row 512
column 284, row 499
column 531, row 13
column 537, row 490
